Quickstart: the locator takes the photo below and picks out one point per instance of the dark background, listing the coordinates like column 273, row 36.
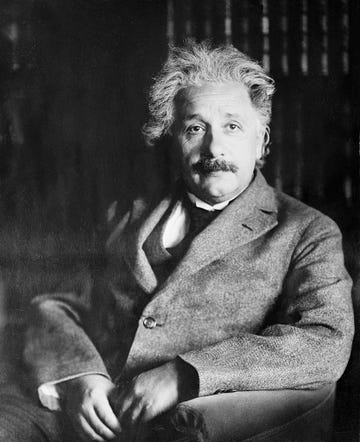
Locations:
column 73, row 81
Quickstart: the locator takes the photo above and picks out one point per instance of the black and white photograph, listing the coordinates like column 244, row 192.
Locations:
column 179, row 220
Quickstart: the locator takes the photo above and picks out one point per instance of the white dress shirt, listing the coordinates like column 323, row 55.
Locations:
column 178, row 224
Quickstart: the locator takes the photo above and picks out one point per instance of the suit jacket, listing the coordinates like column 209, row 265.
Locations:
column 261, row 300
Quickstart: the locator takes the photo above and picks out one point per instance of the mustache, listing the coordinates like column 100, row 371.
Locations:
column 208, row 165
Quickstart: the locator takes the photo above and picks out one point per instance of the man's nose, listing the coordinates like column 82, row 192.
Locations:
column 214, row 144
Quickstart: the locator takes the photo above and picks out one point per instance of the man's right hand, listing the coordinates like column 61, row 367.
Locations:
column 86, row 402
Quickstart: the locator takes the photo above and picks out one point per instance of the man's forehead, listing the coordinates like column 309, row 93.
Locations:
column 233, row 98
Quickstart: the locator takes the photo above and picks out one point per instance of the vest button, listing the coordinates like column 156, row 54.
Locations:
column 149, row 322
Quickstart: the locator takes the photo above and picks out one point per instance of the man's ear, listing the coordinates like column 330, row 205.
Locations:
column 264, row 139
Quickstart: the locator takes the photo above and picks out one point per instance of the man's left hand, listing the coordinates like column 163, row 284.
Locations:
column 155, row 391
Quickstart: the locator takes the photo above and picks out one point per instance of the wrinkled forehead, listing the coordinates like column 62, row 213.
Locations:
column 228, row 97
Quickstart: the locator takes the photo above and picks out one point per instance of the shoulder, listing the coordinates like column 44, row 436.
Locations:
column 292, row 215
column 297, row 214
column 309, row 231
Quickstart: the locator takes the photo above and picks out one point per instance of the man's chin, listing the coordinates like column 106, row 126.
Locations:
column 215, row 193
column 217, row 179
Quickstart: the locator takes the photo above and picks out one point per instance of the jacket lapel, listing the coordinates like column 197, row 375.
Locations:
column 251, row 215
column 141, row 224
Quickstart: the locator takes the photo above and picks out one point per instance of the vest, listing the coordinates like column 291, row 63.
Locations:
column 162, row 260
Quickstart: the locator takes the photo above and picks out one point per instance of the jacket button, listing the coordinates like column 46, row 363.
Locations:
column 149, row 322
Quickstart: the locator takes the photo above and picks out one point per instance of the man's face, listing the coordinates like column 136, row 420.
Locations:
column 217, row 139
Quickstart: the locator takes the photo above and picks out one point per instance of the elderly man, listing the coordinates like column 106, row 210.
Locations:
column 223, row 285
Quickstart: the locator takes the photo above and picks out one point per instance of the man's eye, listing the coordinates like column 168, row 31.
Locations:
column 194, row 129
column 233, row 126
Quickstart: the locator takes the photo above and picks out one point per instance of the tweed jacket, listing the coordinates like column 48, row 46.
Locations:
column 261, row 300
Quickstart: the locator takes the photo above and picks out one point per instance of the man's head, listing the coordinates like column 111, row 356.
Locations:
column 215, row 103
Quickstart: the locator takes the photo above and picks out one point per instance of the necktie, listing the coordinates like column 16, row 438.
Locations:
column 199, row 218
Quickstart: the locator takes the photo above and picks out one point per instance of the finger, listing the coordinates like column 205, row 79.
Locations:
column 79, row 425
column 125, row 402
column 126, row 417
column 89, row 432
column 98, row 426
column 107, row 416
column 138, row 413
column 143, row 411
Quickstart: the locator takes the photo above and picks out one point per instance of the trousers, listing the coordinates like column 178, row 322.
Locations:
column 266, row 416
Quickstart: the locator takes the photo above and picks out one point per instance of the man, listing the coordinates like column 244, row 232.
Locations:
column 222, row 285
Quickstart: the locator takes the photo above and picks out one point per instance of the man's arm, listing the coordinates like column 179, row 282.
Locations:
column 307, row 346
column 309, row 343
column 56, row 344
column 60, row 353
column 59, row 343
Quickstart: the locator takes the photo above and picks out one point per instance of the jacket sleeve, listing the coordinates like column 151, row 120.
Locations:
column 308, row 344
column 60, row 341
column 57, row 345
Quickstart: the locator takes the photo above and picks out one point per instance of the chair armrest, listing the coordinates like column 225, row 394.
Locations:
column 237, row 416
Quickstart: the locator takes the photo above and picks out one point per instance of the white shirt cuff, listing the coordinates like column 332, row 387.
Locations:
column 49, row 395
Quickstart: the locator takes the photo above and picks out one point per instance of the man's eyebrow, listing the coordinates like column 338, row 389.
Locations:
column 191, row 117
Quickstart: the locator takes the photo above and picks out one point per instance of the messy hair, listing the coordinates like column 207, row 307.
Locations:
column 194, row 64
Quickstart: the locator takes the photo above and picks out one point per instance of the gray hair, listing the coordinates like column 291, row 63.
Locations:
column 194, row 64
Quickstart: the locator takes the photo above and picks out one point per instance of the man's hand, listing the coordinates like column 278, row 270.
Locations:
column 154, row 392
column 87, row 405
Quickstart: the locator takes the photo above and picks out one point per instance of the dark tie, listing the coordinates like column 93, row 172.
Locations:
column 199, row 218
